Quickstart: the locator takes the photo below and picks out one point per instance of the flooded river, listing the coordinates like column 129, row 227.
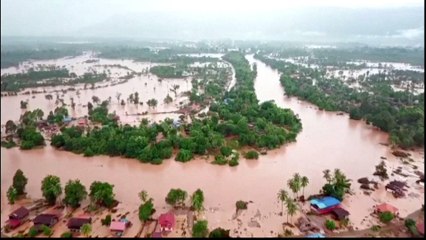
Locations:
column 326, row 141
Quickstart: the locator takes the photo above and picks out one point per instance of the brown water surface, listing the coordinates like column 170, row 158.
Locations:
column 327, row 141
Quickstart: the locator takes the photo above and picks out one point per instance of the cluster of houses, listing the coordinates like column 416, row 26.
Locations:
column 331, row 205
column 117, row 228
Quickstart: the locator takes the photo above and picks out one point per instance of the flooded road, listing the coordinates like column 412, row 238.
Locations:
column 326, row 141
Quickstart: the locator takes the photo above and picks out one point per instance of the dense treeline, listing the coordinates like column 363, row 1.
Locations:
column 339, row 56
column 58, row 77
column 167, row 71
column 15, row 57
column 399, row 113
column 15, row 82
column 241, row 121
column 169, row 55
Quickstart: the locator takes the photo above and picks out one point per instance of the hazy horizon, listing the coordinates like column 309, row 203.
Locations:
column 395, row 22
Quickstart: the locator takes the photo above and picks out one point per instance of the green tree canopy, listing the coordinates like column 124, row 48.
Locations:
column 75, row 192
column 51, row 188
column 19, row 182
column 102, row 193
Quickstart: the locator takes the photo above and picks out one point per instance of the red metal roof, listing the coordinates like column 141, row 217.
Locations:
column 167, row 220
column 385, row 207
column 19, row 213
column 117, row 226
column 13, row 223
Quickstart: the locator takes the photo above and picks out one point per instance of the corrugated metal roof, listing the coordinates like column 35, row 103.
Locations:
column 325, row 202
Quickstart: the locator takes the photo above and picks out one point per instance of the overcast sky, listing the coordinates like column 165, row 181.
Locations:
column 260, row 19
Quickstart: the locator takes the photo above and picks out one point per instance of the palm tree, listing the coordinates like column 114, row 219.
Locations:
column 143, row 195
column 327, row 175
column 297, row 182
column 291, row 208
column 292, row 185
column 304, row 182
column 86, row 229
column 282, row 196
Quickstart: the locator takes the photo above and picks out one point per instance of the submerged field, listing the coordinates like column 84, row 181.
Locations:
column 327, row 141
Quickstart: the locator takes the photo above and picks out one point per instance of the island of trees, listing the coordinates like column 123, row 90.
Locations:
column 234, row 121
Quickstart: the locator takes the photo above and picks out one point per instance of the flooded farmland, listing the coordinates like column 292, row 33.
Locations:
column 327, row 141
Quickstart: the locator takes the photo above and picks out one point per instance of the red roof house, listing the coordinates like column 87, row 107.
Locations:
column 74, row 224
column 17, row 217
column 167, row 221
column 82, row 122
column 385, row 207
column 117, row 227
column 46, row 219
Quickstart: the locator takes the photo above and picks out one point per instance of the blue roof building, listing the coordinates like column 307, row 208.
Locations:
column 315, row 235
column 67, row 119
column 325, row 204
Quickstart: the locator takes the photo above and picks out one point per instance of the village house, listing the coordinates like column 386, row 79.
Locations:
column 118, row 228
column 324, row 205
column 167, row 222
column 385, row 207
column 46, row 219
column 17, row 217
column 339, row 213
column 75, row 224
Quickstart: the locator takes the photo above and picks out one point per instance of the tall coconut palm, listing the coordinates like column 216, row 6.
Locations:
column 304, row 182
column 292, row 185
column 282, row 196
column 291, row 208
column 327, row 175
column 297, row 182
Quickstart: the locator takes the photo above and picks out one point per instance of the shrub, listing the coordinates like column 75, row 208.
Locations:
column 184, row 155
column 375, row 228
column 200, row 229
column 32, row 232
column 241, row 205
column 66, row 235
column 47, row 231
column 233, row 163
column 219, row 233
column 409, row 223
column 88, row 152
column 8, row 144
column 386, row 217
column 220, row 160
column 288, row 233
column 106, row 221
column 251, row 155
column 330, row 225
column 157, row 161
column 226, row 151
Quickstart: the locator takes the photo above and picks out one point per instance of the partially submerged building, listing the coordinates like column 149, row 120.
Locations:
column 17, row 217
column 46, row 219
column 339, row 213
column 75, row 224
column 167, row 222
column 324, row 205
column 386, row 207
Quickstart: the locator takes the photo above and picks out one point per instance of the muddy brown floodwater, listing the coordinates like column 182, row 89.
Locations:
column 326, row 141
